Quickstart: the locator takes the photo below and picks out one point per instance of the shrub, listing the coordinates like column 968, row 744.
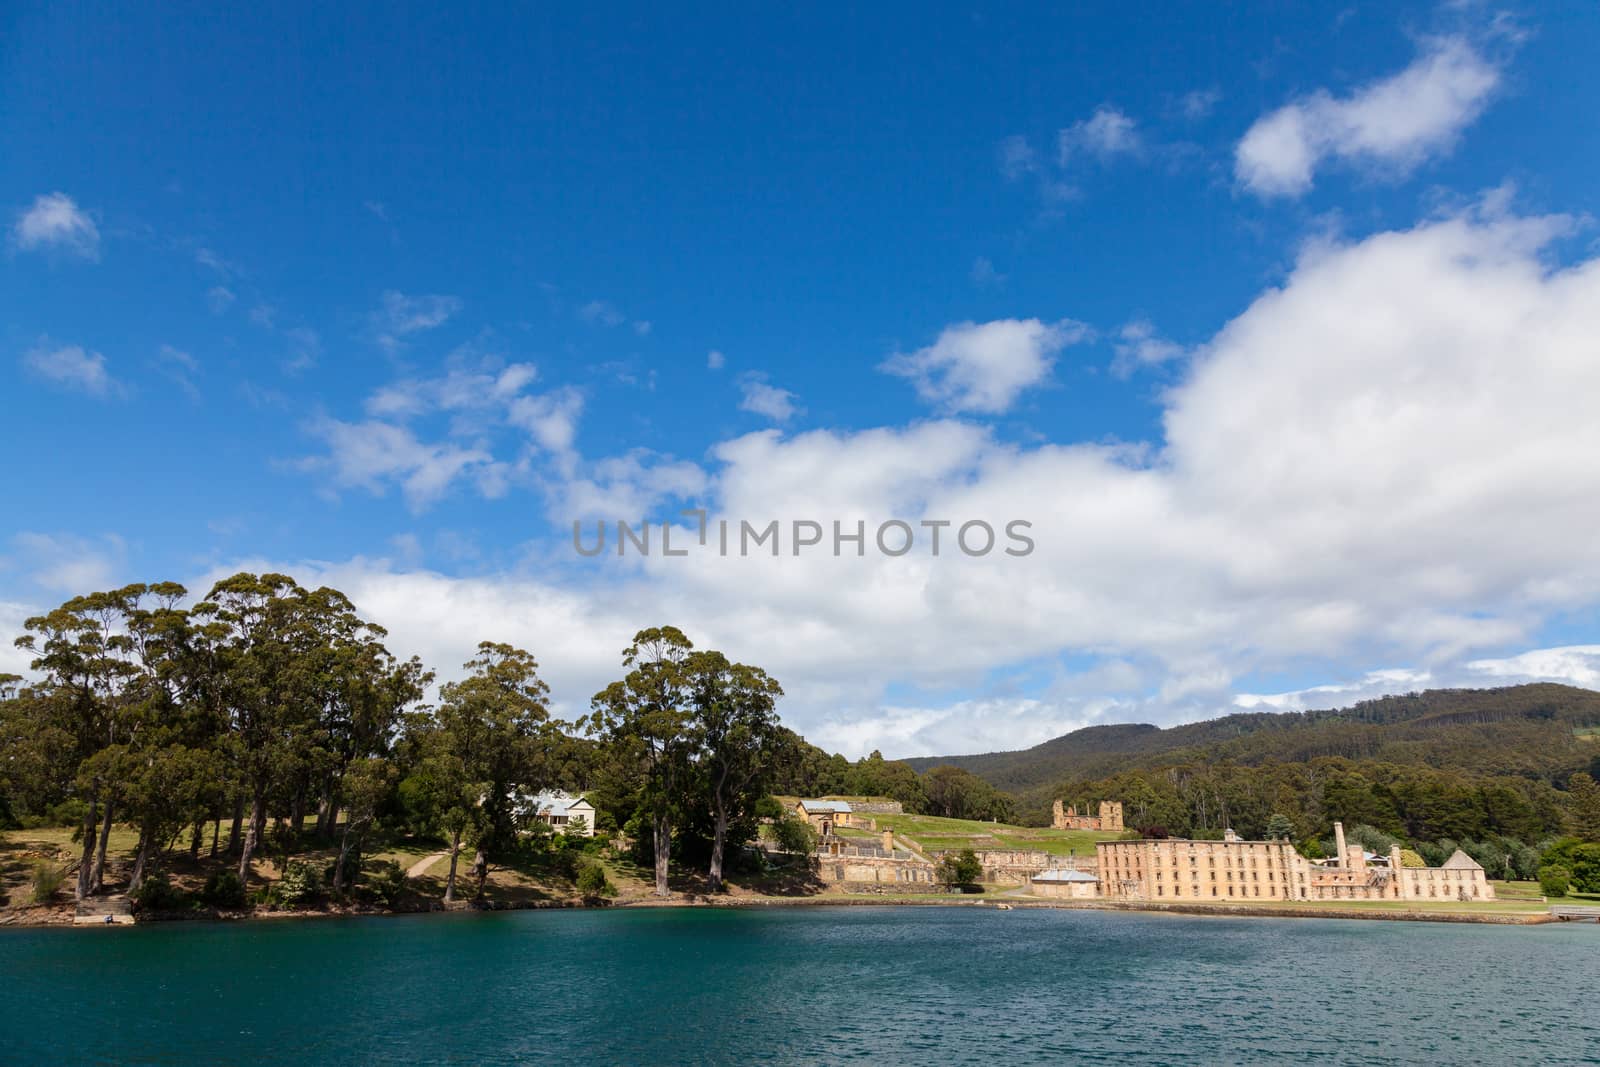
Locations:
column 47, row 878
column 1409, row 858
column 299, row 885
column 1554, row 881
column 223, row 889
column 384, row 880
column 157, row 893
column 593, row 883
column 959, row 868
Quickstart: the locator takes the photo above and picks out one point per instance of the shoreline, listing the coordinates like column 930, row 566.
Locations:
column 1285, row 911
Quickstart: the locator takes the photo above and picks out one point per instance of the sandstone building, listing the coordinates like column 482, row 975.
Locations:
column 1109, row 820
column 1235, row 869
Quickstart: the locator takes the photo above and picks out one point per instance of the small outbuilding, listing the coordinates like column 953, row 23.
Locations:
column 562, row 812
column 1065, row 882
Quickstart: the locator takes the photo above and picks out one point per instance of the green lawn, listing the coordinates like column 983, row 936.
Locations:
column 934, row 832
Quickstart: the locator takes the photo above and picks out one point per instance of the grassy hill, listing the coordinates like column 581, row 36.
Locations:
column 1541, row 731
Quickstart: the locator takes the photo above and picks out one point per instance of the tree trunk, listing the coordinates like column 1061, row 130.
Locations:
column 455, row 854
column 238, row 821
column 98, row 877
column 252, row 836
column 480, row 871
column 141, row 861
column 338, row 866
column 663, row 842
column 297, row 816
column 718, row 839
column 216, row 835
column 197, row 835
column 91, row 824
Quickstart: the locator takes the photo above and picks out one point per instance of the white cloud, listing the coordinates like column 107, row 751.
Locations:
column 1572, row 664
column 219, row 298
column 373, row 455
column 399, row 316
column 1388, row 458
column 64, row 565
column 769, row 401
column 1139, row 345
column 983, row 367
column 1106, row 134
column 54, row 222
column 715, row 360
column 642, row 327
column 1389, row 126
column 551, row 419
column 72, row 367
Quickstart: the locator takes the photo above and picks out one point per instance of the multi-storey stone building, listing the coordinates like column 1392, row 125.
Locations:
column 1235, row 869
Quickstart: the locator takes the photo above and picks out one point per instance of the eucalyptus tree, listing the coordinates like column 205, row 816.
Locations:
column 648, row 716
column 486, row 746
column 734, row 734
column 104, row 680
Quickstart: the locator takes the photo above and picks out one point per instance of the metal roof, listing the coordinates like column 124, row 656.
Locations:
column 555, row 802
column 826, row 805
column 1064, row 874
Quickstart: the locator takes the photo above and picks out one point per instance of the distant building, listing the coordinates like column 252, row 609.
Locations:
column 1109, row 820
column 1064, row 882
column 824, row 815
column 560, row 811
column 1235, row 869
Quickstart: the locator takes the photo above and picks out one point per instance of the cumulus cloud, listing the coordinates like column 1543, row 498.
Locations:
column 551, row 419
column 72, row 367
column 1389, row 126
column 372, row 455
column 54, row 222
column 760, row 397
column 983, row 367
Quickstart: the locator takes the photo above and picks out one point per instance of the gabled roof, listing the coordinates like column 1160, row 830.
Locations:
column 554, row 802
column 826, row 805
column 1064, row 874
column 1460, row 861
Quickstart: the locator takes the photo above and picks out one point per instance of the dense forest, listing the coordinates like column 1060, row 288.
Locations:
column 266, row 717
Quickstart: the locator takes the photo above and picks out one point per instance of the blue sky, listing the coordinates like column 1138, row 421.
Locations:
column 387, row 298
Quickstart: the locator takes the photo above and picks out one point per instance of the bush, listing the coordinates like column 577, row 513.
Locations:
column 385, row 881
column 959, row 868
column 1554, row 881
column 157, row 893
column 223, row 889
column 46, row 880
column 299, row 885
column 593, row 883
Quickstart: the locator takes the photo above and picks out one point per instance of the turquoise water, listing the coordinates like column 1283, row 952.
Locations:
column 881, row 985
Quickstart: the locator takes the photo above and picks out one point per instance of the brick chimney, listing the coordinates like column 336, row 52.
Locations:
column 1338, row 843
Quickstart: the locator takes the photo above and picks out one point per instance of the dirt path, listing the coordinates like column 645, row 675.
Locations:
column 420, row 868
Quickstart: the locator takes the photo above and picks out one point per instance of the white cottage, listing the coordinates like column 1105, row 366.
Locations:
column 560, row 810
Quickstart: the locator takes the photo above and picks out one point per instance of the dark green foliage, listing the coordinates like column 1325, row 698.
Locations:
column 959, row 868
column 1280, row 827
column 224, row 890
column 1586, row 868
column 384, row 881
column 1554, row 880
column 794, row 834
column 593, row 885
column 157, row 893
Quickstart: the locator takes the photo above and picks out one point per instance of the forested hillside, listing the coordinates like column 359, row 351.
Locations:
column 1526, row 730
column 1442, row 765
